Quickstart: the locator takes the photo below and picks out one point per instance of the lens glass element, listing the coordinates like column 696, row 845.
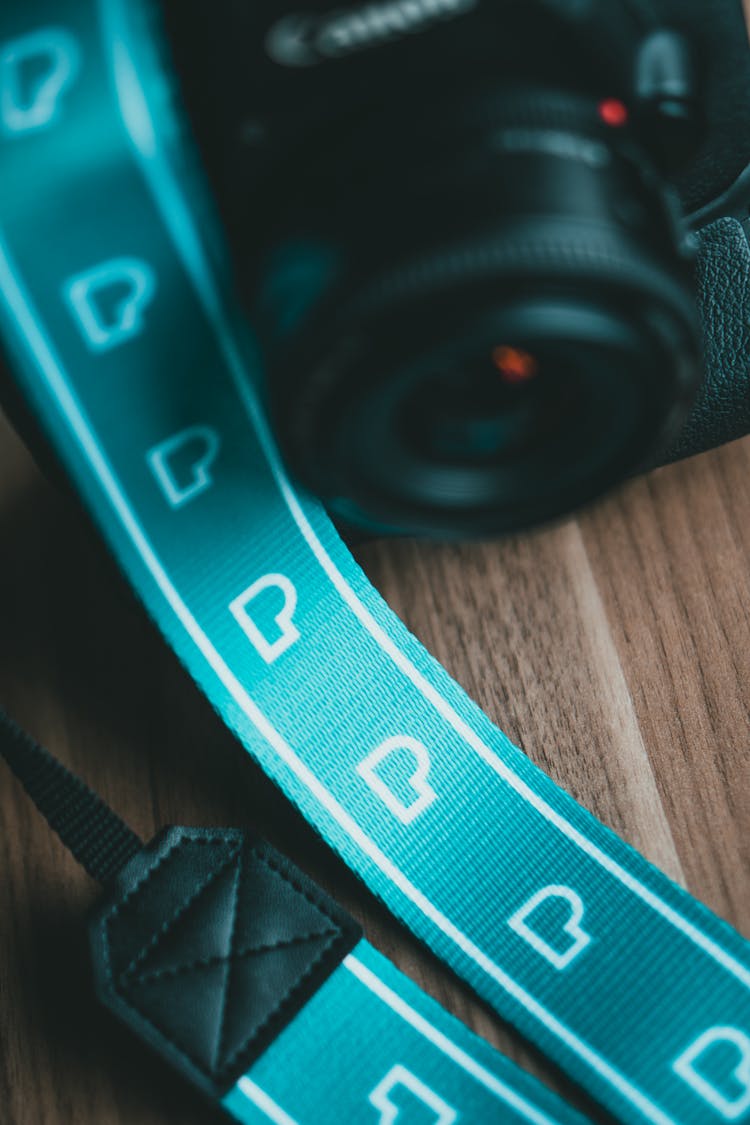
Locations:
column 480, row 436
column 491, row 408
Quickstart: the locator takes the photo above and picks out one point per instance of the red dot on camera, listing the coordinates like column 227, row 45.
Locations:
column 614, row 113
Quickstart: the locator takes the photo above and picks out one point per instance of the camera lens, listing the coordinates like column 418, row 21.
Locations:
column 492, row 341
column 474, row 437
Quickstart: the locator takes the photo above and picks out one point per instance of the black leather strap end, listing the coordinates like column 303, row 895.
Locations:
column 208, row 945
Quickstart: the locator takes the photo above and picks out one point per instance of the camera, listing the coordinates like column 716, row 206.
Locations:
column 467, row 239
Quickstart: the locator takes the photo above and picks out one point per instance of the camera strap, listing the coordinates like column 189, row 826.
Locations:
column 239, row 971
column 130, row 354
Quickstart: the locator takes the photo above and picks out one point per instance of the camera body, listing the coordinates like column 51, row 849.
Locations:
column 460, row 230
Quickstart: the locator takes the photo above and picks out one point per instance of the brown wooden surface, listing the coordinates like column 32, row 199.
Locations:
column 614, row 648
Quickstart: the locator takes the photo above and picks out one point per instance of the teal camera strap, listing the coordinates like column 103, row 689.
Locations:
column 246, row 978
column 129, row 352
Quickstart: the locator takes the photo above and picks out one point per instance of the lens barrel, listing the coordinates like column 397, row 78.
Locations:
column 546, row 234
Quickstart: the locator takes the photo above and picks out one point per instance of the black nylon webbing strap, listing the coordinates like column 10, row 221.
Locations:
column 207, row 942
column 99, row 840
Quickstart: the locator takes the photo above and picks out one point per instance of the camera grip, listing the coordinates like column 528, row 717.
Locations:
column 721, row 412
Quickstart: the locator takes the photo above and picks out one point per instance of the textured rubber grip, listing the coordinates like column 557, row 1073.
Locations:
column 722, row 409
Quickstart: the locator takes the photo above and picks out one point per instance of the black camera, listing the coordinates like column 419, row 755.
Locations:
column 466, row 236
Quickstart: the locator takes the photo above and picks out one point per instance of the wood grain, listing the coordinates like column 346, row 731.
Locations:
column 615, row 648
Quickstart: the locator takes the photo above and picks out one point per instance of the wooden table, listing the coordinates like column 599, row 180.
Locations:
column 614, row 648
